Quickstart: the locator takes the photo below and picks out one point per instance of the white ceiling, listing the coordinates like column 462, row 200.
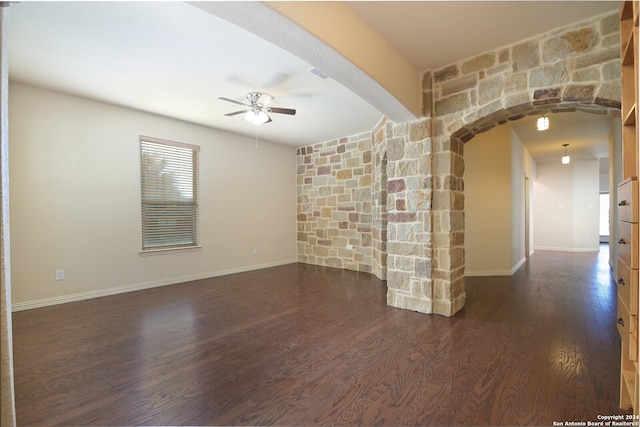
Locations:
column 176, row 59
column 587, row 135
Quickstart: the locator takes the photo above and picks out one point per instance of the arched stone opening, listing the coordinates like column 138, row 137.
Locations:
column 502, row 116
column 576, row 68
column 448, row 215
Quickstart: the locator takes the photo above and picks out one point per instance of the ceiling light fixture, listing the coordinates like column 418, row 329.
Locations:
column 256, row 117
column 565, row 159
column 543, row 123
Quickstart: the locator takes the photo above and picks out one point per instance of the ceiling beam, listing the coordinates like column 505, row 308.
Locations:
column 332, row 38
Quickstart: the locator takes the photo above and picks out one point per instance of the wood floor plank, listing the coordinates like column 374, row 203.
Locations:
column 306, row 345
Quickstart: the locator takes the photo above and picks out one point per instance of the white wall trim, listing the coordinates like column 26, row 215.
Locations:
column 496, row 272
column 29, row 305
column 549, row 248
column 487, row 273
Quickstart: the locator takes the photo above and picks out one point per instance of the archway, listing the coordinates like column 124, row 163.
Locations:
column 569, row 69
column 498, row 164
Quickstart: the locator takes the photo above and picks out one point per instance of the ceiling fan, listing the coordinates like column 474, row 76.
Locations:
column 258, row 108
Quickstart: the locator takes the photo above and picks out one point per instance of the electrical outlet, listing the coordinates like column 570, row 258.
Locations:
column 349, row 247
column 255, row 251
column 59, row 274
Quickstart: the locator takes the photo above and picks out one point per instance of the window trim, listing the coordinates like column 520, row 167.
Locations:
column 196, row 190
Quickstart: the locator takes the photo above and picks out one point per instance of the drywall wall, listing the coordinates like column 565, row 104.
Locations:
column 566, row 200
column 523, row 171
column 497, row 166
column 75, row 200
column 488, row 203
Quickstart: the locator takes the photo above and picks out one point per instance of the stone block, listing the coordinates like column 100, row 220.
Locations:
column 441, row 200
column 418, row 200
column 581, row 40
column 609, row 95
column 405, row 232
column 422, row 267
column 441, row 163
column 548, row 76
column 403, row 263
column 415, row 149
column 525, row 56
column 597, row 57
column 453, row 104
column 408, row 302
column 445, row 74
column 460, row 84
column 515, row 83
column 401, row 217
column 419, row 130
column 478, row 63
column 407, row 167
column 362, row 194
column 610, row 25
column 333, row 262
column 516, row 99
column 404, row 248
column 579, row 93
column 546, row 96
column 611, row 71
column 398, row 279
column 586, row 75
column 395, row 186
column 490, row 89
column 344, row 174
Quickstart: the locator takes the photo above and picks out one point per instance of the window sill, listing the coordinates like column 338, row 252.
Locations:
column 161, row 251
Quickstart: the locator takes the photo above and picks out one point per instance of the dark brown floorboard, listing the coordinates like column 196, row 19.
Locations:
column 306, row 345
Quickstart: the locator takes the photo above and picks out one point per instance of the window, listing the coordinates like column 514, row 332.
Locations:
column 604, row 214
column 169, row 173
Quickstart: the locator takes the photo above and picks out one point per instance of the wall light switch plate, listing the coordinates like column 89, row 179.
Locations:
column 59, row 274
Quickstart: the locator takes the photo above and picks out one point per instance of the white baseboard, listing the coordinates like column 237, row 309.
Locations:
column 29, row 305
column 551, row 248
column 484, row 273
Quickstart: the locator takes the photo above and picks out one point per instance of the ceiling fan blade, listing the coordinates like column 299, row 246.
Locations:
column 282, row 110
column 232, row 100
column 235, row 113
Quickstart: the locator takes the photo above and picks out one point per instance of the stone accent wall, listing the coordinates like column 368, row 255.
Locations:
column 335, row 223
column 341, row 183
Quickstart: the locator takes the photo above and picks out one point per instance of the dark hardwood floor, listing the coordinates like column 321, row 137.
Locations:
column 305, row 345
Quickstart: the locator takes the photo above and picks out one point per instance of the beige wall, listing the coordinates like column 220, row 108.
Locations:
column 496, row 164
column 75, row 202
column 488, row 200
column 566, row 201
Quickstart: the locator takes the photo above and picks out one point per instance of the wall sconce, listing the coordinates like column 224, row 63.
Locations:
column 565, row 159
column 543, row 123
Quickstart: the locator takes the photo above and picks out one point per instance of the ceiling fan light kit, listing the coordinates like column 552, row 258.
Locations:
column 258, row 109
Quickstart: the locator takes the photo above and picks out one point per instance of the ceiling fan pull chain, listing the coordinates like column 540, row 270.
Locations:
column 257, row 137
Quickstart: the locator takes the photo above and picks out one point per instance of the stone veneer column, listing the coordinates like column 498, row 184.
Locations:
column 409, row 192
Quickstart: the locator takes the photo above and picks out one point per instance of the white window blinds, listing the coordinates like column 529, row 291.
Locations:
column 169, row 173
